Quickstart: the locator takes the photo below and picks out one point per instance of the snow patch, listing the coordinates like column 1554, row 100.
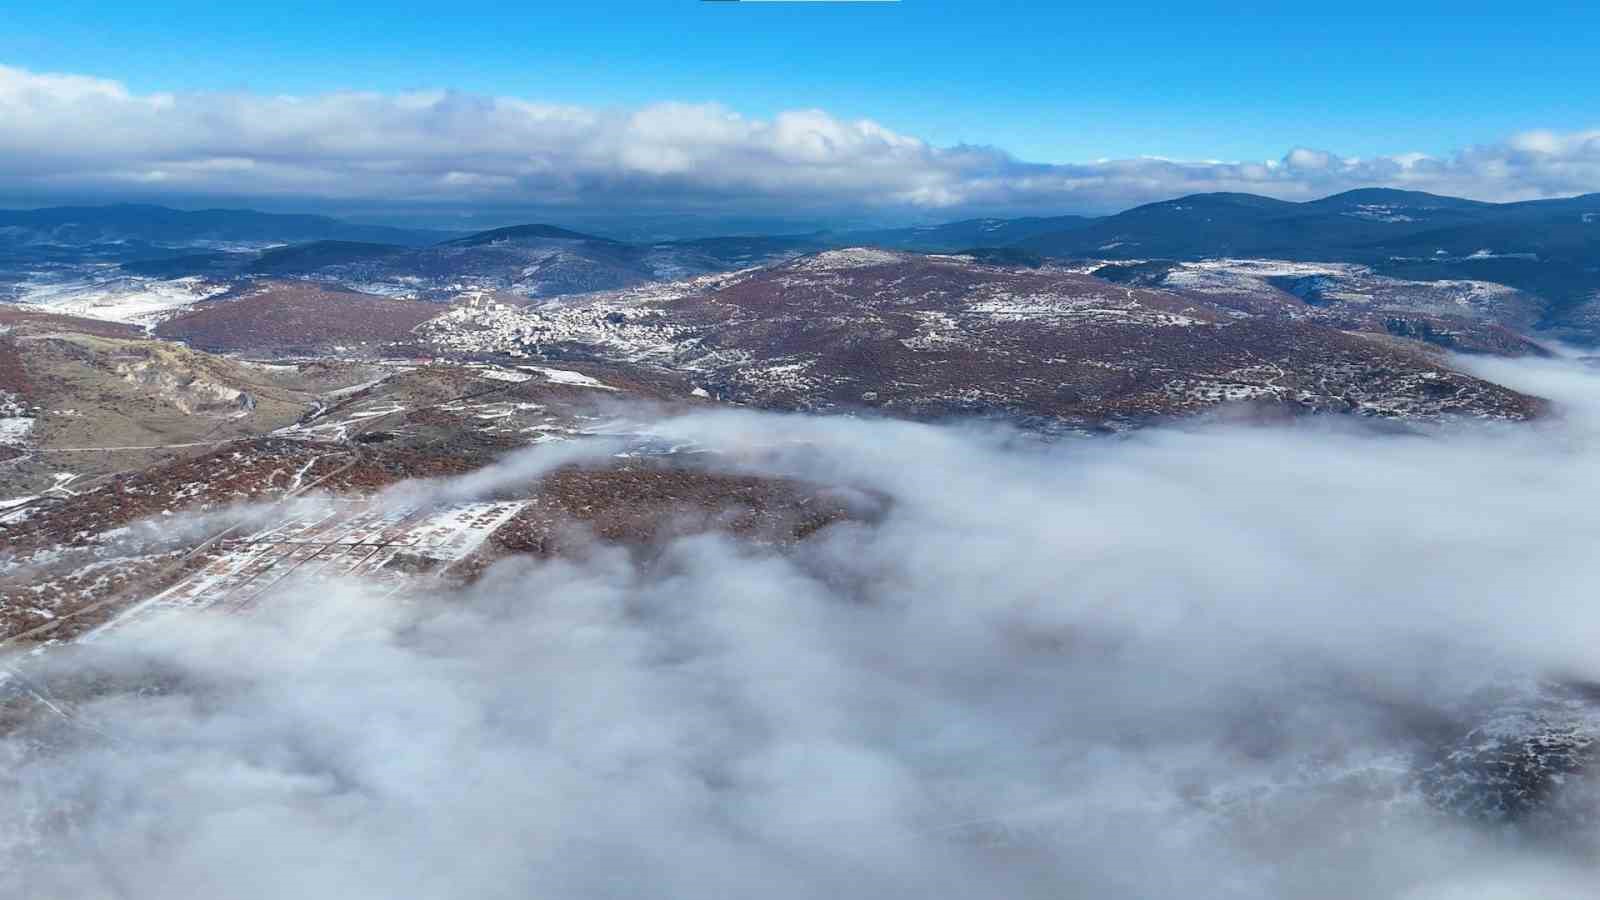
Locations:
column 565, row 376
column 14, row 430
column 120, row 298
column 849, row 258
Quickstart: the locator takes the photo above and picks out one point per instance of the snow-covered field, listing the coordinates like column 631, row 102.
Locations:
column 849, row 258
column 565, row 376
column 338, row 429
column 495, row 373
column 1345, row 284
column 116, row 297
column 15, row 429
column 14, row 425
column 15, row 509
column 369, row 540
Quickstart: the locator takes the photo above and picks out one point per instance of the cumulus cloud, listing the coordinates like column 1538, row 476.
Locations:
column 67, row 133
column 1193, row 662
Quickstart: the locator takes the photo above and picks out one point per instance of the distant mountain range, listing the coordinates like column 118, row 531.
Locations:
column 1373, row 224
column 966, row 234
column 529, row 260
column 1369, row 221
column 1549, row 248
column 138, row 224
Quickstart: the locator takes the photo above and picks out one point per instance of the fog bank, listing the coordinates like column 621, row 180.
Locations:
column 1209, row 661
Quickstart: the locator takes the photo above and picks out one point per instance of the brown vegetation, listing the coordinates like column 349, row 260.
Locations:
column 285, row 317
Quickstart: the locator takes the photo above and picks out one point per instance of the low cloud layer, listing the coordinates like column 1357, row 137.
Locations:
column 1204, row 662
column 69, row 135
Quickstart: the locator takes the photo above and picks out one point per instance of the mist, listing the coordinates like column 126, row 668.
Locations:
column 1212, row 660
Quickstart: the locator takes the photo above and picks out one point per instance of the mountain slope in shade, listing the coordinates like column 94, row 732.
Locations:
column 1547, row 247
column 310, row 257
column 1247, row 225
column 530, row 260
column 516, row 233
column 964, row 235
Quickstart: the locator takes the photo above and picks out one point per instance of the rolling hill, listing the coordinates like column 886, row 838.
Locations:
column 1544, row 247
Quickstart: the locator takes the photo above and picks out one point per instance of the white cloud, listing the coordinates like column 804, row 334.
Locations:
column 1193, row 662
column 61, row 134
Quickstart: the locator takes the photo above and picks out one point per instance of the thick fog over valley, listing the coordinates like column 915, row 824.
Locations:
column 1214, row 659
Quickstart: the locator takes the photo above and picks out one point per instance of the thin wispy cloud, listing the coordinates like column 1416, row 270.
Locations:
column 64, row 134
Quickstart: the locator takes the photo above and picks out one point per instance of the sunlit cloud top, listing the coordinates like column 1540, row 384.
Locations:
column 70, row 135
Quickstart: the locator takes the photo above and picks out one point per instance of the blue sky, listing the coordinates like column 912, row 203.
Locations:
column 1048, row 82
column 911, row 111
